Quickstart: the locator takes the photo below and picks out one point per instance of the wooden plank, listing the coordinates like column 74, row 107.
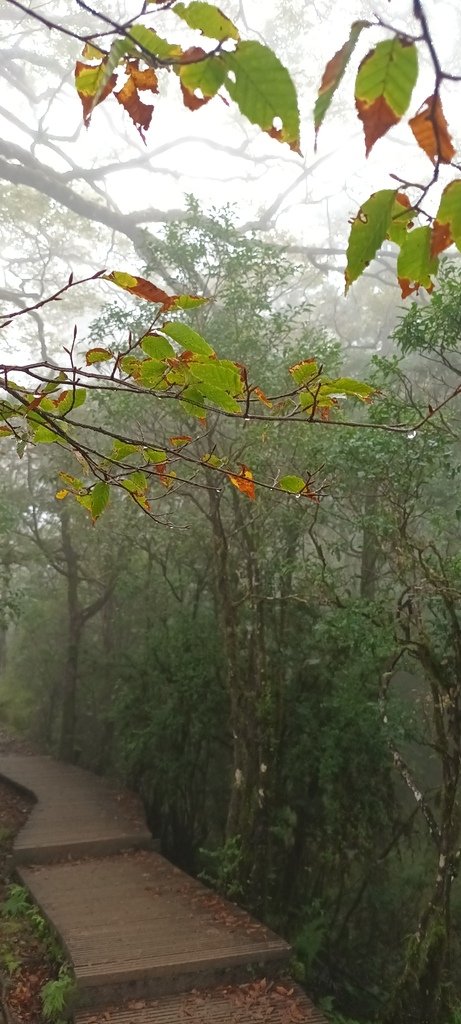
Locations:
column 76, row 813
column 254, row 1003
column 136, row 924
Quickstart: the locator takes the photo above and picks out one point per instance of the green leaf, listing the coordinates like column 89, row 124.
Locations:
column 401, row 219
column 86, row 501
column 131, row 365
column 221, row 399
column 155, row 45
column 369, row 229
column 447, row 224
column 349, row 387
column 205, row 75
column 99, row 495
column 157, row 347
column 188, row 301
column 384, row 85
column 97, row 355
column 293, row 484
column 121, row 449
column 187, row 338
column 415, row 264
column 192, row 402
column 43, row 435
column 152, row 374
column 135, row 483
column 334, row 72
column 68, row 401
column 207, row 19
column 212, row 372
column 118, row 50
column 304, row 371
column 210, row 459
column 263, row 90
column 155, row 455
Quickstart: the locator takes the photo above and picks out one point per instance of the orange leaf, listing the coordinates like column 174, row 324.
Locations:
column 244, row 482
column 140, row 113
column 180, row 439
column 146, row 79
column 166, row 479
column 430, row 130
column 142, row 288
column 262, row 397
column 441, row 237
column 377, row 118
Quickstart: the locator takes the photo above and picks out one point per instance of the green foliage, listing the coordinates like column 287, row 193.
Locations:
column 17, row 903
column 56, row 996
column 222, row 868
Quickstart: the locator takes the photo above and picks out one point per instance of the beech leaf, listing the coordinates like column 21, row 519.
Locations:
column 146, row 290
column 263, row 90
column 430, row 130
column 416, row 265
column 244, row 482
column 208, row 19
column 97, row 355
column 447, row 223
column 333, row 74
column 383, row 88
column 369, row 229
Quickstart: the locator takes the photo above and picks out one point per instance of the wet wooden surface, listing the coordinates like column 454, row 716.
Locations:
column 135, row 923
column 255, row 1003
column 147, row 943
column 76, row 812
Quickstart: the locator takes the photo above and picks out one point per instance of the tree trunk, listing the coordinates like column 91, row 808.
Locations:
column 66, row 746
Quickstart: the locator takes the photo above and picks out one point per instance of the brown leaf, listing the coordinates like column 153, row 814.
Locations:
column 262, row 397
column 244, row 482
column 140, row 113
column 178, row 440
column 430, row 130
column 377, row 118
column 142, row 288
column 441, row 238
column 146, row 79
column 191, row 101
column 192, row 55
column 410, row 287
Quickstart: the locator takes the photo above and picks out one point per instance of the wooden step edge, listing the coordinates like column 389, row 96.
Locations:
column 250, row 1003
column 58, row 851
column 139, row 985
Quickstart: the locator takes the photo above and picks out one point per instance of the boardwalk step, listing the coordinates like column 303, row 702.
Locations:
column 134, row 925
column 255, row 1003
column 76, row 813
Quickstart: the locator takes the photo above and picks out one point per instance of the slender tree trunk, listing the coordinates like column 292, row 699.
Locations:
column 66, row 746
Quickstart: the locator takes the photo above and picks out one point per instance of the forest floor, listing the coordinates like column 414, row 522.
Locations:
column 29, row 958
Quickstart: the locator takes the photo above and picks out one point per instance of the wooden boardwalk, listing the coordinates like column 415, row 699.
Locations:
column 76, row 813
column 148, row 944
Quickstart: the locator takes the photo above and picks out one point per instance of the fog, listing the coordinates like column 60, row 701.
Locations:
column 77, row 199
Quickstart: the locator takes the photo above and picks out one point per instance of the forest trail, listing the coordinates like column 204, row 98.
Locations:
column 148, row 944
